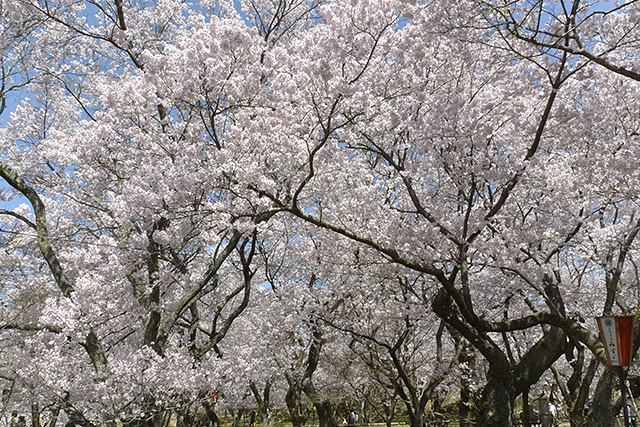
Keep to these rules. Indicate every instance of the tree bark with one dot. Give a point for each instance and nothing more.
(416, 419)
(389, 411)
(466, 404)
(602, 412)
(325, 411)
(578, 388)
(35, 414)
(526, 410)
(293, 399)
(237, 417)
(323, 406)
(209, 409)
(365, 409)
(92, 345)
(54, 417)
(262, 400)
(606, 403)
(497, 398)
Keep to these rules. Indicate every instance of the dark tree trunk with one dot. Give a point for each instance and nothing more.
(213, 419)
(602, 412)
(262, 400)
(209, 409)
(497, 399)
(578, 387)
(237, 417)
(416, 419)
(389, 411)
(326, 416)
(606, 404)
(324, 408)
(54, 417)
(526, 411)
(76, 419)
(506, 378)
(184, 419)
(293, 400)
(35, 414)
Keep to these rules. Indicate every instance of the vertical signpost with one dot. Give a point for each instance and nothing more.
(617, 336)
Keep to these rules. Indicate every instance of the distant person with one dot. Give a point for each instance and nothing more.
(553, 411)
(22, 422)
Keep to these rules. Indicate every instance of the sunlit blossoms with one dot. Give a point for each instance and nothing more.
(316, 206)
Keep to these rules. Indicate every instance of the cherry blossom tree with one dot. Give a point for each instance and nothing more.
(488, 148)
(400, 341)
(146, 269)
(472, 176)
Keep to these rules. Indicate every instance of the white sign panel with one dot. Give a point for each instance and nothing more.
(610, 339)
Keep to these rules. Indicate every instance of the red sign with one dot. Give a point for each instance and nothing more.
(617, 335)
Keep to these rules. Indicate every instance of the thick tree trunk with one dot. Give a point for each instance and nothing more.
(506, 379)
(237, 417)
(209, 409)
(602, 412)
(213, 418)
(185, 419)
(416, 419)
(326, 416)
(160, 419)
(294, 405)
(75, 418)
(606, 399)
(497, 399)
(580, 394)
